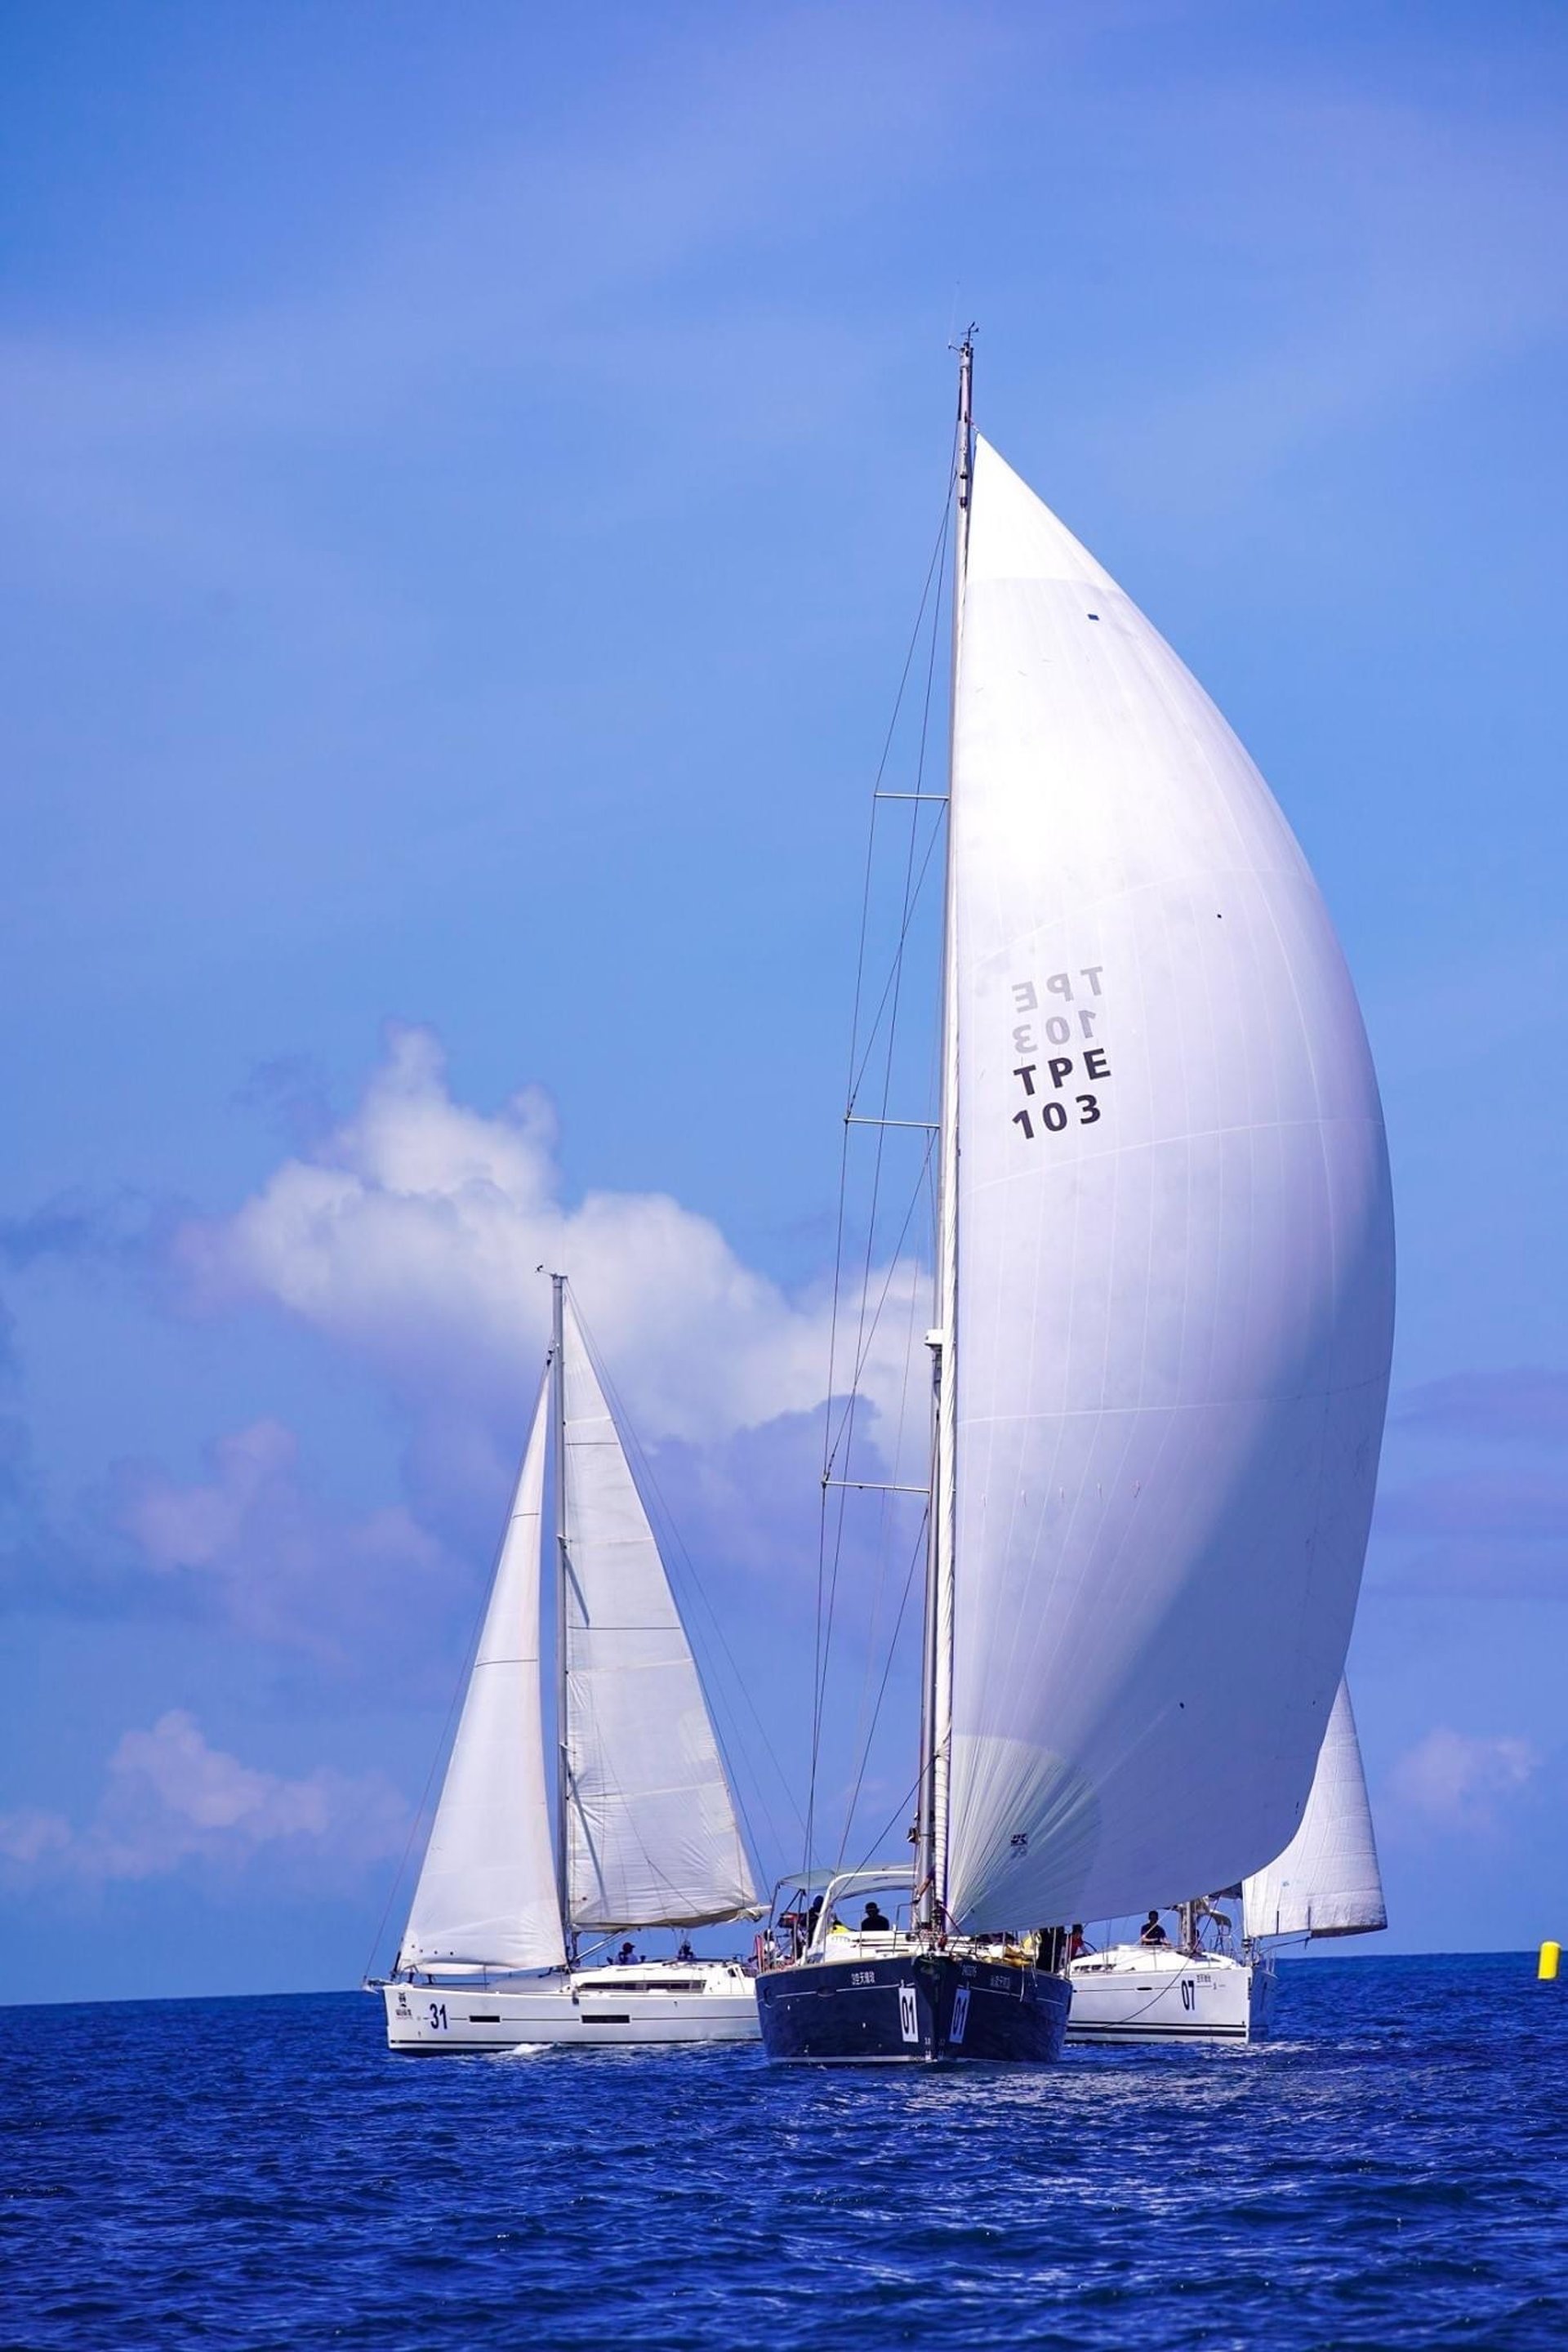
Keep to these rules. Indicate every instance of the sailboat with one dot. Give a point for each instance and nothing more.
(1207, 1986)
(645, 1829)
(1327, 1881)
(1163, 1317)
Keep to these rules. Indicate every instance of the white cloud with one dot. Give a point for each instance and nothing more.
(413, 1237)
(169, 1798)
(281, 1566)
(1450, 1781)
(29, 1836)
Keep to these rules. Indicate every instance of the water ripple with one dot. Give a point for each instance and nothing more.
(263, 2173)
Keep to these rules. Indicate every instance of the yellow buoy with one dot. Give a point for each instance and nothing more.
(1551, 1955)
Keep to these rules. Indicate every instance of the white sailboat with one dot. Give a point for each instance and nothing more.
(1211, 1985)
(1327, 1881)
(1163, 1313)
(1216, 1986)
(646, 1828)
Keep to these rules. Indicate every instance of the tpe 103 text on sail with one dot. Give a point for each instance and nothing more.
(1046, 1077)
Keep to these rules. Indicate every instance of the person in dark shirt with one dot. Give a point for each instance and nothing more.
(1152, 1933)
(874, 1923)
(813, 1913)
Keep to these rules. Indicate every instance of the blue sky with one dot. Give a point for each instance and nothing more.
(466, 483)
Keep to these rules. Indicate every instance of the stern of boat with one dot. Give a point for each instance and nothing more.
(912, 2006)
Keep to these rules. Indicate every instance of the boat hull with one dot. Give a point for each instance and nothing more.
(591, 2011)
(911, 2009)
(1129, 1996)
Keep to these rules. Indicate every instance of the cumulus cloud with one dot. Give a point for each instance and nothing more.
(170, 1799)
(1451, 1781)
(413, 1236)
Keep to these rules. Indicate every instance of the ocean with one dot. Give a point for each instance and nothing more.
(1392, 2170)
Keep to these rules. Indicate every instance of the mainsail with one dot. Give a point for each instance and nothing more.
(1174, 1261)
(1327, 1881)
(652, 1837)
(486, 1895)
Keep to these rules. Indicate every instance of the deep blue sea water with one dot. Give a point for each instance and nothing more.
(1392, 2170)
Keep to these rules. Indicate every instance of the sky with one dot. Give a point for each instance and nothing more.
(466, 484)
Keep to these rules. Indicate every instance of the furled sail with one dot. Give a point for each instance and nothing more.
(652, 1835)
(1174, 1286)
(1327, 1881)
(487, 1894)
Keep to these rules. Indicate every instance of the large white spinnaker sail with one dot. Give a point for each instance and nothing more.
(486, 1895)
(651, 1831)
(1174, 1277)
(1327, 1881)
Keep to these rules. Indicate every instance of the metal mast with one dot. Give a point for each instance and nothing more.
(562, 1763)
(936, 1688)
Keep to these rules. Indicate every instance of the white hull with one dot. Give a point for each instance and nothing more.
(1132, 1994)
(582, 2009)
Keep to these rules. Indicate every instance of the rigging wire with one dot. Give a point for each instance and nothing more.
(831, 1515)
(864, 1338)
(916, 1556)
(866, 1729)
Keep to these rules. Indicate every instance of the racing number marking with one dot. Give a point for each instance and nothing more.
(1044, 1075)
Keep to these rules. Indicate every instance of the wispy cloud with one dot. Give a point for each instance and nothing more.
(1450, 1781)
(251, 1544)
(171, 1801)
(116, 1229)
(1526, 1405)
(1529, 1506)
(1492, 1523)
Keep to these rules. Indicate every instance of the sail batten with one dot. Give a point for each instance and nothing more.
(486, 1896)
(1327, 1881)
(652, 1837)
(1175, 1260)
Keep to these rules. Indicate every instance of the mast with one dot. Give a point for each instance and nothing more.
(558, 1424)
(936, 1682)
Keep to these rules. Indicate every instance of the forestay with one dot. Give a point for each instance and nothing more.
(1327, 1881)
(652, 1836)
(487, 1894)
(1175, 1262)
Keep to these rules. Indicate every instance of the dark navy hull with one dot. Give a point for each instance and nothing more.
(915, 2007)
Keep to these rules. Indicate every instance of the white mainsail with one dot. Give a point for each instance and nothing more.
(486, 1893)
(1327, 1881)
(652, 1836)
(1174, 1279)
